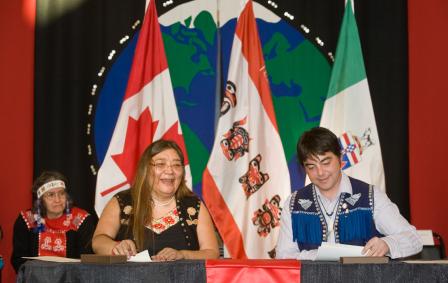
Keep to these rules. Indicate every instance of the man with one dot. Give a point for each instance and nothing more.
(336, 208)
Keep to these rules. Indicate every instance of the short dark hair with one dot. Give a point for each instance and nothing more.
(317, 141)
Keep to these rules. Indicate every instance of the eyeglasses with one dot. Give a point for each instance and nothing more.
(162, 166)
(53, 195)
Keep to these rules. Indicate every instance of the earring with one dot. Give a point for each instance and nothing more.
(67, 207)
(40, 223)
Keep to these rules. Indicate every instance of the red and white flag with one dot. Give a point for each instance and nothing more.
(148, 113)
(247, 179)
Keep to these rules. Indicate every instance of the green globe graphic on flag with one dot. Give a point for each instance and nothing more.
(198, 55)
(298, 91)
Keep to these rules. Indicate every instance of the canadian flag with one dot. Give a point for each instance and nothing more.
(247, 178)
(148, 113)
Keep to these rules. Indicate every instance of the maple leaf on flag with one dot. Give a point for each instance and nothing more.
(139, 135)
(148, 113)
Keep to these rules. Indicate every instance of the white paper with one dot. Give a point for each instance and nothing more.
(439, 261)
(426, 236)
(332, 252)
(141, 257)
(53, 258)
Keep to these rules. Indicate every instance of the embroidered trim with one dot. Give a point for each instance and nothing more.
(70, 221)
(292, 201)
(29, 218)
(353, 199)
(356, 209)
(304, 212)
(371, 204)
(192, 212)
(305, 203)
(49, 186)
(52, 243)
(163, 223)
(336, 218)
(321, 216)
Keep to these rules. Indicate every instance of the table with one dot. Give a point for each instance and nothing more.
(394, 271)
(46, 272)
(195, 271)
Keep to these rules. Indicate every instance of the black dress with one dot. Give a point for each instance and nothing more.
(176, 230)
(67, 236)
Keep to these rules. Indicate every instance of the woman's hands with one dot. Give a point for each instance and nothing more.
(168, 254)
(125, 247)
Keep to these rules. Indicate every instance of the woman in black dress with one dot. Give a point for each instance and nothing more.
(159, 213)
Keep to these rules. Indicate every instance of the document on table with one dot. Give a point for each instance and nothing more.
(332, 252)
(437, 261)
(141, 257)
(53, 258)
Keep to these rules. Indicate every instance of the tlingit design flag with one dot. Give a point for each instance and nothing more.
(246, 179)
(348, 110)
(148, 113)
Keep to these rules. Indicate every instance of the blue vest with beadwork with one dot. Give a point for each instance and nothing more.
(353, 223)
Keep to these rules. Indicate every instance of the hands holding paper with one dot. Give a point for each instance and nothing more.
(125, 247)
(375, 247)
(331, 251)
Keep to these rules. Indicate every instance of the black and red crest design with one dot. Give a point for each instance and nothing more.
(268, 216)
(272, 253)
(229, 100)
(254, 178)
(236, 141)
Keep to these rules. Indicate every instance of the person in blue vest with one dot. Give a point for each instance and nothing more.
(336, 208)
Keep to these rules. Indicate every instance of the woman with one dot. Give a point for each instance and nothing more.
(53, 227)
(159, 213)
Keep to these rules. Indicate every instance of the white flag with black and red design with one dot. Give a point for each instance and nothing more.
(148, 113)
(247, 178)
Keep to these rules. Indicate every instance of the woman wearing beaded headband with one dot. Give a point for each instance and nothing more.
(159, 213)
(53, 227)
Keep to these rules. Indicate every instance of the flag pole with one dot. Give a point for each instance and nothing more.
(219, 87)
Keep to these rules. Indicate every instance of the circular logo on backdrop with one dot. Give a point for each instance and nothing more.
(198, 45)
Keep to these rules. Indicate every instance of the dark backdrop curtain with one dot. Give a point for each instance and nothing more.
(71, 46)
(70, 49)
(384, 38)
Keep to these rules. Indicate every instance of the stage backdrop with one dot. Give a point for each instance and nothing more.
(83, 56)
(427, 88)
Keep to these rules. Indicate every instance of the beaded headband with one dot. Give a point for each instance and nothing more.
(48, 186)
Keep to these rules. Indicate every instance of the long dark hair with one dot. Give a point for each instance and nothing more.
(141, 190)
